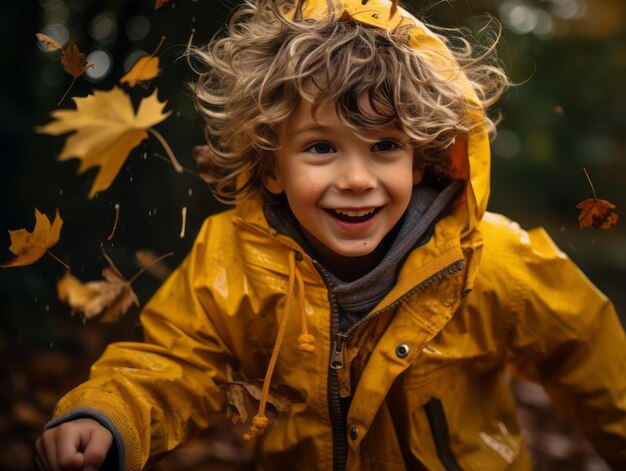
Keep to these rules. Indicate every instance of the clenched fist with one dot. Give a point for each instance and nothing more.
(78, 445)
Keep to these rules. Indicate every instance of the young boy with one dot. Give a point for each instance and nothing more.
(359, 268)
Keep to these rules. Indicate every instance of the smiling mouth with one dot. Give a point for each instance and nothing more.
(353, 215)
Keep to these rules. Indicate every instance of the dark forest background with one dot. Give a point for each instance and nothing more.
(567, 112)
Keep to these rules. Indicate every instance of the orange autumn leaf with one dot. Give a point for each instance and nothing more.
(159, 3)
(74, 61)
(106, 129)
(109, 298)
(28, 247)
(146, 68)
(597, 213)
(48, 43)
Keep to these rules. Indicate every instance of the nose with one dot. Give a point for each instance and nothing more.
(356, 174)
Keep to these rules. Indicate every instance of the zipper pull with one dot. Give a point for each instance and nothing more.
(339, 348)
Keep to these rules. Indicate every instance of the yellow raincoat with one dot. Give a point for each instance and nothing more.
(427, 368)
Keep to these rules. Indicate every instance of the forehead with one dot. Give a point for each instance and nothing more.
(329, 113)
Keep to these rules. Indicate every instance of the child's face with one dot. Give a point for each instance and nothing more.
(346, 190)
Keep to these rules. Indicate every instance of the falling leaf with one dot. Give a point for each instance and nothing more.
(559, 111)
(203, 160)
(146, 68)
(31, 246)
(74, 61)
(148, 260)
(48, 43)
(107, 130)
(597, 213)
(243, 398)
(110, 298)
(159, 3)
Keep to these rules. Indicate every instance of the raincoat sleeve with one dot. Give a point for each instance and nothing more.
(566, 335)
(152, 395)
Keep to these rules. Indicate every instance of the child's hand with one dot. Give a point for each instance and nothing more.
(78, 445)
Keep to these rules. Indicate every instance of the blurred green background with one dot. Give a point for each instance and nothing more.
(567, 112)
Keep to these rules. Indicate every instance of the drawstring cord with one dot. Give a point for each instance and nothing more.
(306, 343)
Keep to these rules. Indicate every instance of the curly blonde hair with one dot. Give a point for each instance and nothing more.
(253, 76)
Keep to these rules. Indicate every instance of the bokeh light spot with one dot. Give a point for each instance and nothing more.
(507, 144)
(137, 28)
(102, 64)
(103, 29)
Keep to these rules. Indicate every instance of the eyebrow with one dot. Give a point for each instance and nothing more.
(308, 128)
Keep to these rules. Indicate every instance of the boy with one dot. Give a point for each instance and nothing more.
(356, 146)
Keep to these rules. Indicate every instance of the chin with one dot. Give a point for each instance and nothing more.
(358, 250)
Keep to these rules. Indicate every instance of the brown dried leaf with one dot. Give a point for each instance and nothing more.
(109, 299)
(202, 157)
(74, 61)
(243, 399)
(48, 43)
(31, 246)
(121, 303)
(597, 213)
(159, 3)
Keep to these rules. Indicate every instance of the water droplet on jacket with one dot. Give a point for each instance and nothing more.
(47, 308)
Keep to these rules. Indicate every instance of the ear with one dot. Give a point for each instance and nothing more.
(418, 175)
(273, 184)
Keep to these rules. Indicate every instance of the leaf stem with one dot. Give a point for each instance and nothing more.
(59, 260)
(185, 169)
(66, 92)
(149, 265)
(595, 197)
(117, 216)
(159, 46)
(108, 259)
(184, 223)
(167, 148)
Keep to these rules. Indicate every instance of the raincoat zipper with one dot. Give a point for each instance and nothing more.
(337, 421)
(441, 436)
(341, 339)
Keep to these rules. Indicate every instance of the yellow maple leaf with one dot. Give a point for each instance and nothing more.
(146, 68)
(106, 129)
(31, 246)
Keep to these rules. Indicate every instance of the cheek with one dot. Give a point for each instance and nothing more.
(304, 187)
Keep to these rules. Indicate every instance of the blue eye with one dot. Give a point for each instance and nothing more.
(321, 148)
(384, 146)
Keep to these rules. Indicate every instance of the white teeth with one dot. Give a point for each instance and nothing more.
(359, 213)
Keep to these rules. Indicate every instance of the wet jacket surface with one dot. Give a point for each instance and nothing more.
(426, 369)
